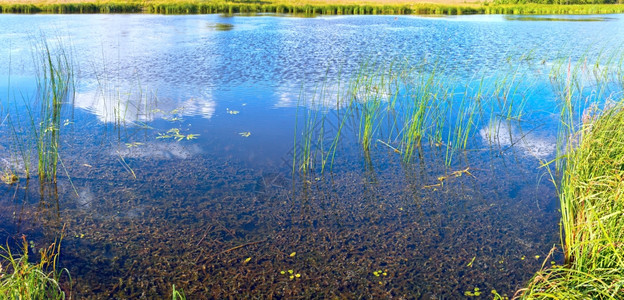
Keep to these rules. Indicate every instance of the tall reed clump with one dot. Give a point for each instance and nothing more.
(397, 106)
(423, 110)
(580, 87)
(20, 279)
(312, 120)
(358, 105)
(55, 87)
(373, 93)
(312, 146)
(592, 210)
(400, 107)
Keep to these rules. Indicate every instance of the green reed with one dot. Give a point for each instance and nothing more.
(400, 107)
(326, 112)
(38, 130)
(369, 91)
(424, 104)
(342, 115)
(441, 109)
(274, 7)
(467, 115)
(580, 87)
(177, 294)
(311, 108)
(507, 90)
(55, 87)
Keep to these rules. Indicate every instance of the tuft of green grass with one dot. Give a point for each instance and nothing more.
(177, 294)
(21, 279)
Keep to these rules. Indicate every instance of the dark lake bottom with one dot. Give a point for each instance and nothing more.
(218, 228)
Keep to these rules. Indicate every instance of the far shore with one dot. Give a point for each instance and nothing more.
(305, 7)
(295, 2)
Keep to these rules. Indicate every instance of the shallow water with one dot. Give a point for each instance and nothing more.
(179, 146)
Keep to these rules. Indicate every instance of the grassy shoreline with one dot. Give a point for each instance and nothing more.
(591, 215)
(298, 7)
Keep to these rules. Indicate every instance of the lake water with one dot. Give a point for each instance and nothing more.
(224, 154)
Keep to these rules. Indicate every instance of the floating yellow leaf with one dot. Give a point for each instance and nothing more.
(245, 134)
(293, 254)
(191, 136)
(174, 131)
(297, 275)
(247, 260)
(171, 133)
(133, 144)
